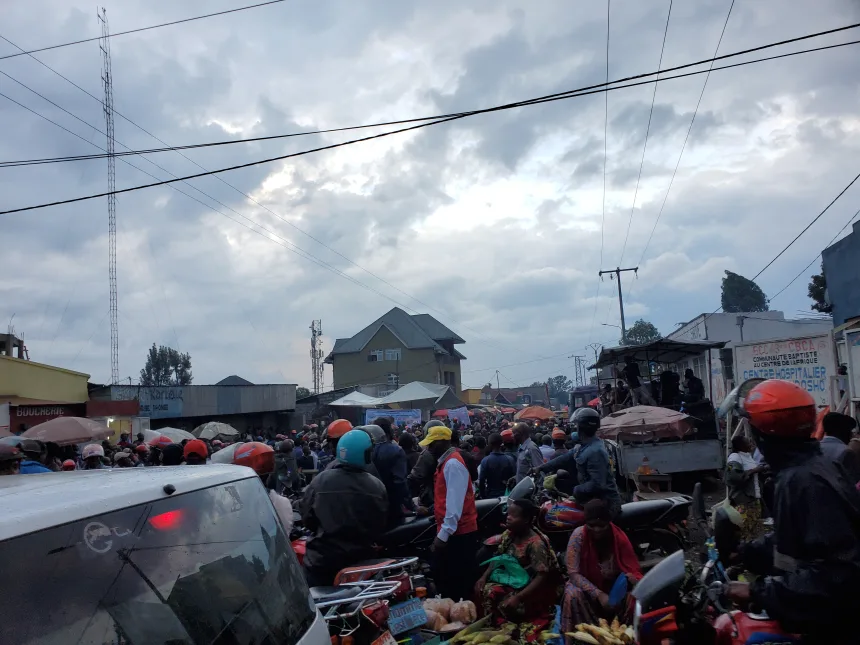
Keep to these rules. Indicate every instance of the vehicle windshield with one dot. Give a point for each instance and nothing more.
(213, 566)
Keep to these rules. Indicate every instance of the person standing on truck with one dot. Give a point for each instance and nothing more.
(641, 395)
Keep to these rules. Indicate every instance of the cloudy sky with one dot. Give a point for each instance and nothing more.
(493, 224)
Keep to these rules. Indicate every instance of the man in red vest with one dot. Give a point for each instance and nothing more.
(456, 544)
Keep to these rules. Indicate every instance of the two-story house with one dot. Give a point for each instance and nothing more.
(396, 349)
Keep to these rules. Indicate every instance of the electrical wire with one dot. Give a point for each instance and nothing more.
(241, 192)
(647, 132)
(139, 29)
(583, 91)
(815, 259)
(687, 137)
(570, 94)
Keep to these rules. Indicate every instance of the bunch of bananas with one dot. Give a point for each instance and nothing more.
(604, 633)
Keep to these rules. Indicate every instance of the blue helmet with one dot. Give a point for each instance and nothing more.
(355, 449)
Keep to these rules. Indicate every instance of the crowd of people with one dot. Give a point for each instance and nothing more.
(351, 484)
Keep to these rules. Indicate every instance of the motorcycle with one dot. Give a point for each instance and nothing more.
(372, 600)
(676, 606)
(655, 527)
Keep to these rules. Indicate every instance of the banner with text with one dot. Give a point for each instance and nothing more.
(807, 361)
(401, 417)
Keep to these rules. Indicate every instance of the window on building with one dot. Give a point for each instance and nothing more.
(450, 379)
(699, 367)
(394, 380)
(392, 354)
(375, 356)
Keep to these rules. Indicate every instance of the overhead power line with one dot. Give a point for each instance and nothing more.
(139, 29)
(583, 91)
(687, 137)
(815, 259)
(226, 183)
(560, 96)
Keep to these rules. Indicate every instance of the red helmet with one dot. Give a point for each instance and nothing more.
(780, 409)
(508, 436)
(337, 428)
(558, 433)
(69, 464)
(196, 447)
(255, 455)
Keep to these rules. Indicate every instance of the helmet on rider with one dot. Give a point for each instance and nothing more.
(257, 456)
(10, 459)
(69, 464)
(558, 435)
(780, 409)
(355, 448)
(508, 436)
(336, 429)
(195, 452)
(586, 421)
(376, 434)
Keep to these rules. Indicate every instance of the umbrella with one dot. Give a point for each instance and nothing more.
(161, 441)
(213, 429)
(534, 413)
(508, 410)
(645, 422)
(594, 402)
(177, 435)
(441, 414)
(65, 431)
(225, 455)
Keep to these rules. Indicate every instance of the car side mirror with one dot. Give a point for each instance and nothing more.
(699, 502)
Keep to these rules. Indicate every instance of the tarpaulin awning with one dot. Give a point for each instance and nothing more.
(644, 423)
(436, 396)
(355, 399)
(534, 413)
(658, 351)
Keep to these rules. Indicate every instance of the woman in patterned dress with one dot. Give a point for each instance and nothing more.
(533, 605)
(597, 553)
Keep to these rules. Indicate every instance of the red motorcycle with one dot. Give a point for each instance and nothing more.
(677, 606)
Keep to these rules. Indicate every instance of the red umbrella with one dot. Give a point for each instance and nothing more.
(594, 402)
(441, 414)
(161, 441)
(534, 413)
(508, 411)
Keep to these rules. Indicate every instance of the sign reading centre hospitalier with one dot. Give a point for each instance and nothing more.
(807, 361)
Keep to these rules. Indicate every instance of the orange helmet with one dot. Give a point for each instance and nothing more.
(255, 455)
(780, 409)
(558, 433)
(508, 436)
(337, 428)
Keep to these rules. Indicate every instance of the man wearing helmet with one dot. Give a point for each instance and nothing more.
(590, 461)
(810, 565)
(346, 507)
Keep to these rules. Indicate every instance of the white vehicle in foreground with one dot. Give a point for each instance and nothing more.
(170, 556)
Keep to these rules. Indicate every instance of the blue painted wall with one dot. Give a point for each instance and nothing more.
(842, 271)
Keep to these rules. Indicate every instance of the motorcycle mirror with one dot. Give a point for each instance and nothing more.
(699, 502)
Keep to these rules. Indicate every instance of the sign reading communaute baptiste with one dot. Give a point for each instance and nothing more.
(808, 361)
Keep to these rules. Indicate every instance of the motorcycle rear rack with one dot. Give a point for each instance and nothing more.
(370, 591)
(401, 563)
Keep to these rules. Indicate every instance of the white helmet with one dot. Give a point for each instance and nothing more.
(93, 450)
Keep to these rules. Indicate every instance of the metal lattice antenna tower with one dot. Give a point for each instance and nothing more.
(317, 355)
(107, 82)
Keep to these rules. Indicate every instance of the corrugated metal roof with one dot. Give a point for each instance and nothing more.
(434, 329)
(405, 327)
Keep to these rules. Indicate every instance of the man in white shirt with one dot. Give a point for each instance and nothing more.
(456, 544)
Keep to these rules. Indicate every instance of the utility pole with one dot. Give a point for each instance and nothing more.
(107, 82)
(580, 370)
(317, 355)
(618, 271)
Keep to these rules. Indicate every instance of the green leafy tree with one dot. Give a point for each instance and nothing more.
(166, 366)
(641, 332)
(741, 294)
(817, 290)
(302, 392)
(559, 386)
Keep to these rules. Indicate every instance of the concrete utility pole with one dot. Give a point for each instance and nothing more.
(618, 271)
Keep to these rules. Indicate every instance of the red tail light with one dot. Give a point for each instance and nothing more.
(167, 521)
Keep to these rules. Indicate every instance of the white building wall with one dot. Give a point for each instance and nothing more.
(759, 325)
